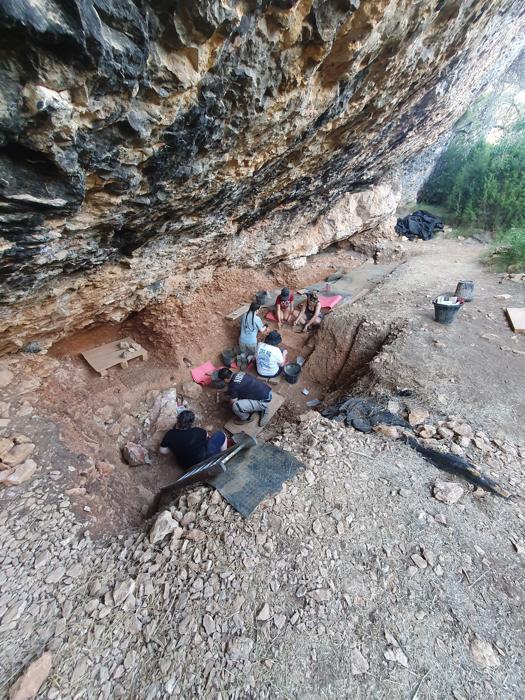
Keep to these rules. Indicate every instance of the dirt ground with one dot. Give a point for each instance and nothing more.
(353, 581)
(96, 415)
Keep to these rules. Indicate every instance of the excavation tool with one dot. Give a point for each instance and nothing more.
(204, 471)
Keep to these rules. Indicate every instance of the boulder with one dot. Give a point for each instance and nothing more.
(163, 413)
(191, 390)
(135, 455)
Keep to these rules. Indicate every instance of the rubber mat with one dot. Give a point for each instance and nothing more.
(254, 475)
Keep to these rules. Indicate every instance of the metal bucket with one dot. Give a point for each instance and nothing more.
(465, 290)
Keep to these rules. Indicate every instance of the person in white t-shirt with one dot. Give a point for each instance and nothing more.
(270, 359)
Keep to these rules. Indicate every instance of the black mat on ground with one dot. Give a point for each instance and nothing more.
(254, 475)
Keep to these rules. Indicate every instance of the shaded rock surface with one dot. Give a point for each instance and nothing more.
(136, 139)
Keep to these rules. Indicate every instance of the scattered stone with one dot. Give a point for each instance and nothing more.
(483, 653)
(164, 525)
(19, 439)
(264, 613)
(503, 297)
(135, 455)
(5, 445)
(462, 429)
(122, 590)
(6, 377)
(56, 575)
(209, 624)
(317, 527)
(309, 476)
(239, 649)
(76, 491)
(447, 491)
(18, 454)
(417, 416)
(321, 595)
(419, 561)
(427, 431)
(358, 663)
(195, 535)
(396, 655)
(279, 620)
(389, 431)
(30, 682)
(23, 472)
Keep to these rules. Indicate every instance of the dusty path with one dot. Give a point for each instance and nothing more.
(354, 581)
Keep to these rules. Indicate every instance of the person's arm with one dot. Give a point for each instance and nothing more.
(315, 317)
(279, 314)
(300, 313)
(283, 358)
(164, 449)
(260, 325)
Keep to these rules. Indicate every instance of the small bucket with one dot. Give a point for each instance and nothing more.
(292, 372)
(465, 290)
(446, 308)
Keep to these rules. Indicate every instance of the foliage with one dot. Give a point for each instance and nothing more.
(509, 252)
(482, 183)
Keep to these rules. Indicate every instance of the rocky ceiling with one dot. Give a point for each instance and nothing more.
(140, 139)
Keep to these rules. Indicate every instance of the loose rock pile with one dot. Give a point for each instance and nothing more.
(344, 578)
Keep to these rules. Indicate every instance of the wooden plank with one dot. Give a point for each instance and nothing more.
(252, 428)
(517, 319)
(105, 356)
(234, 315)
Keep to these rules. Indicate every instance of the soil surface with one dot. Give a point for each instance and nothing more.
(353, 581)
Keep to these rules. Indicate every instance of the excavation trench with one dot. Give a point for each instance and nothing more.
(96, 416)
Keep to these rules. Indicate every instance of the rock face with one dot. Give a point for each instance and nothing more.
(137, 138)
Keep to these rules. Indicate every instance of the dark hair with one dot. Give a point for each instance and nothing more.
(224, 373)
(273, 338)
(254, 306)
(185, 420)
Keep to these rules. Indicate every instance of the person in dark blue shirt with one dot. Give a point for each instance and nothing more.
(248, 396)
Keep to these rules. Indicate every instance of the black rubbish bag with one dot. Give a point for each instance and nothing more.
(420, 224)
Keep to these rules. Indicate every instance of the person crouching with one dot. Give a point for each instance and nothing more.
(248, 396)
(270, 359)
(191, 445)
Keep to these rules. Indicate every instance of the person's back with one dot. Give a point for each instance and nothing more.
(269, 360)
(251, 325)
(191, 445)
(188, 446)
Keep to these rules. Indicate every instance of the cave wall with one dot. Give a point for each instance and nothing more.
(140, 140)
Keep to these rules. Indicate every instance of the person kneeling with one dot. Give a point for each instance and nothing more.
(247, 395)
(270, 359)
(191, 445)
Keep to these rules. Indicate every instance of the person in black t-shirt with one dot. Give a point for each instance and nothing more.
(248, 396)
(191, 445)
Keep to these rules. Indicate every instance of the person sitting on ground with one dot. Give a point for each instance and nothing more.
(309, 311)
(191, 445)
(270, 359)
(251, 326)
(247, 396)
(284, 307)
